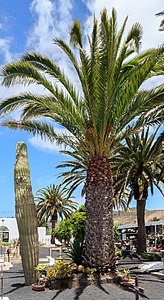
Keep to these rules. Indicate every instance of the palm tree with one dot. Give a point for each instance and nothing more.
(96, 117)
(54, 203)
(139, 167)
(161, 26)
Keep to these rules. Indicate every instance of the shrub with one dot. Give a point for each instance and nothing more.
(75, 251)
(152, 256)
(90, 271)
(60, 270)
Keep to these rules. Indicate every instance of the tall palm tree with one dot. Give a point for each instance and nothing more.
(139, 167)
(54, 203)
(96, 117)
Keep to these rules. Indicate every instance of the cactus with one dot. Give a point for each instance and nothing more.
(26, 214)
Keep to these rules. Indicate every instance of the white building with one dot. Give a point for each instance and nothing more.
(9, 231)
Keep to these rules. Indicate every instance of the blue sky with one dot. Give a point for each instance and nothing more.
(30, 25)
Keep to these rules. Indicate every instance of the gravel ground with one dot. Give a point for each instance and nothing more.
(14, 287)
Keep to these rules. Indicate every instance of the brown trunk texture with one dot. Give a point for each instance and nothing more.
(26, 214)
(99, 240)
(141, 240)
(53, 225)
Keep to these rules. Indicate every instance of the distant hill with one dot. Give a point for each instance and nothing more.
(130, 217)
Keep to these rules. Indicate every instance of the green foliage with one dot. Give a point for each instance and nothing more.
(75, 251)
(51, 274)
(155, 219)
(6, 243)
(54, 202)
(127, 273)
(78, 223)
(152, 256)
(40, 267)
(90, 271)
(60, 270)
(118, 253)
(74, 226)
(116, 233)
(63, 231)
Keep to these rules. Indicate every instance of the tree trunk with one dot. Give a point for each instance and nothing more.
(26, 215)
(99, 241)
(53, 225)
(141, 240)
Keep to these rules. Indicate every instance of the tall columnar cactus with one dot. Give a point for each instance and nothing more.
(26, 214)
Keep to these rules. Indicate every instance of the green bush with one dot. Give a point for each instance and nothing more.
(63, 231)
(60, 270)
(90, 271)
(72, 227)
(152, 256)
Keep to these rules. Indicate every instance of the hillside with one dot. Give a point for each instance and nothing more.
(130, 217)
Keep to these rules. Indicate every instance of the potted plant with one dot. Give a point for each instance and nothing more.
(41, 269)
(127, 280)
(40, 284)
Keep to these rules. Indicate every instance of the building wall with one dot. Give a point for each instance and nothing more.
(11, 224)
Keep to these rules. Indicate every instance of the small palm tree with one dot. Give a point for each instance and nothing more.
(54, 203)
(139, 166)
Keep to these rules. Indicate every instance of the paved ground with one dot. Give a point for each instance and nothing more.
(14, 287)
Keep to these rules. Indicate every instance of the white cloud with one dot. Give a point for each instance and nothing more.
(5, 52)
(45, 145)
(137, 11)
(140, 11)
(52, 19)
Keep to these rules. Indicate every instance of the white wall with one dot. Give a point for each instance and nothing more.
(11, 224)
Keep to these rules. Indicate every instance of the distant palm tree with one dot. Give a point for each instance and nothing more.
(54, 203)
(161, 26)
(139, 165)
(108, 106)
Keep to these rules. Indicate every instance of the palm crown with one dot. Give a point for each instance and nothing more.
(53, 202)
(139, 166)
(97, 116)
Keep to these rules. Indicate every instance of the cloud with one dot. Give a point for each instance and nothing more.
(137, 11)
(52, 19)
(5, 52)
(45, 145)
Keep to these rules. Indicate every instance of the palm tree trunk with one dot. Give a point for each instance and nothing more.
(141, 241)
(99, 241)
(53, 225)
